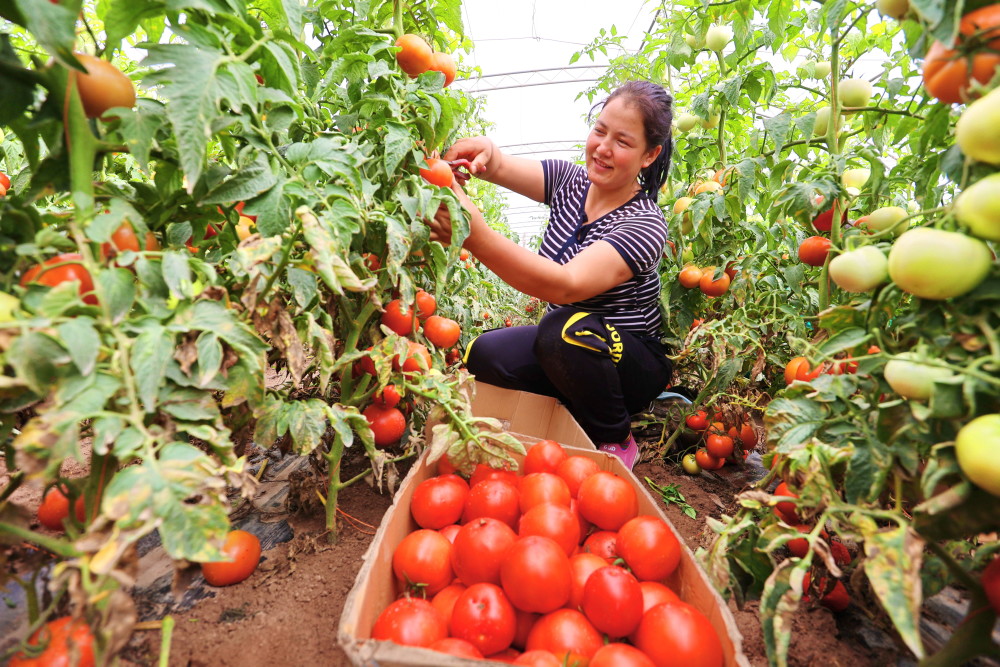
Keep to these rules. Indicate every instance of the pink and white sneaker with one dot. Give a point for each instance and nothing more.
(627, 451)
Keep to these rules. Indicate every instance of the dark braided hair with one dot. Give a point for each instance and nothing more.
(657, 109)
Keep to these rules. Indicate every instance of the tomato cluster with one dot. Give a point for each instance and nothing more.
(720, 441)
(550, 562)
(704, 278)
(415, 57)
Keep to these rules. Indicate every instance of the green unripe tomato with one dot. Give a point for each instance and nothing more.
(897, 9)
(887, 217)
(822, 125)
(860, 270)
(686, 122)
(8, 304)
(978, 130)
(977, 446)
(911, 379)
(718, 37)
(978, 207)
(822, 69)
(855, 93)
(690, 464)
(935, 264)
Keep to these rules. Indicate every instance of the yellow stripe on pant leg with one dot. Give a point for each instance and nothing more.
(576, 317)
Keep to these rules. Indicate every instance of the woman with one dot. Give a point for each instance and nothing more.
(597, 347)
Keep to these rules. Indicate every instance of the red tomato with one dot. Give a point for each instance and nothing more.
(581, 566)
(654, 593)
(402, 322)
(706, 461)
(484, 617)
(607, 500)
(785, 509)
(553, 521)
(439, 501)
(719, 446)
(525, 621)
(678, 634)
(568, 634)
(585, 526)
(244, 550)
(612, 601)
(814, 250)
(388, 424)
(410, 622)
(441, 331)
(480, 546)
(4, 181)
(494, 498)
(537, 658)
(649, 547)
(483, 472)
(544, 456)
(444, 600)
(990, 579)
(620, 655)
(426, 304)
(536, 575)
(455, 646)
(824, 221)
(422, 560)
(62, 269)
(55, 508)
(438, 172)
(450, 532)
(388, 397)
(543, 487)
(603, 543)
(62, 638)
(575, 469)
(698, 421)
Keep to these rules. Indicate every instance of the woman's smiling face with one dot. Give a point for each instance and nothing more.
(616, 147)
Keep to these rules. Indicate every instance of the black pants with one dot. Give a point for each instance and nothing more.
(602, 374)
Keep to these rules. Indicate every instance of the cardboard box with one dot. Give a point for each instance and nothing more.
(542, 417)
(374, 588)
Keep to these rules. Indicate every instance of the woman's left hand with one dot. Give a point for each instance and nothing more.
(440, 226)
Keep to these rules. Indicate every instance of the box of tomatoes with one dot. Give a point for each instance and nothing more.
(513, 562)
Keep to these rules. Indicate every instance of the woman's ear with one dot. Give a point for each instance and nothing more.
(651, 156)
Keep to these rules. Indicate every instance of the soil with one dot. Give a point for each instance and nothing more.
(288, 611)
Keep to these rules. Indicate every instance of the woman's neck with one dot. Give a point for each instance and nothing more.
(601, 202)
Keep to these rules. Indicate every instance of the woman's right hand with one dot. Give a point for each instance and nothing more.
(479, 151)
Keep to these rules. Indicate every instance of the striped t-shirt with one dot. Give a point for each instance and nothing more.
(637, 230)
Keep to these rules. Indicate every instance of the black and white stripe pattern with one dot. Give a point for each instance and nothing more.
(637, 230)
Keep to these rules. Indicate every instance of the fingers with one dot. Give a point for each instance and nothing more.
(476, 150)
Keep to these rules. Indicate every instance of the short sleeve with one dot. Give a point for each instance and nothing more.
(640, 240)
(557, 175)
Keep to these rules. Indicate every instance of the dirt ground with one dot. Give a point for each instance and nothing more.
(287, 612)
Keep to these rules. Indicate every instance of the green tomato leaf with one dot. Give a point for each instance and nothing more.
(151, 352)
(81, 340)
(892, 562)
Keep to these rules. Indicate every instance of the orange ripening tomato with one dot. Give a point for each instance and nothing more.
(244, 550)
(62, 638)
(55, 508)
(690, 276)
(947, 76)
(798, 368)
(438, 173)
(417, 358)
(441, 331)
(444, 63)
(415, 56)
(814, 250)
(102, 87)
(125, 239)
(4, 181)
(714, 288)
(60, 269)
